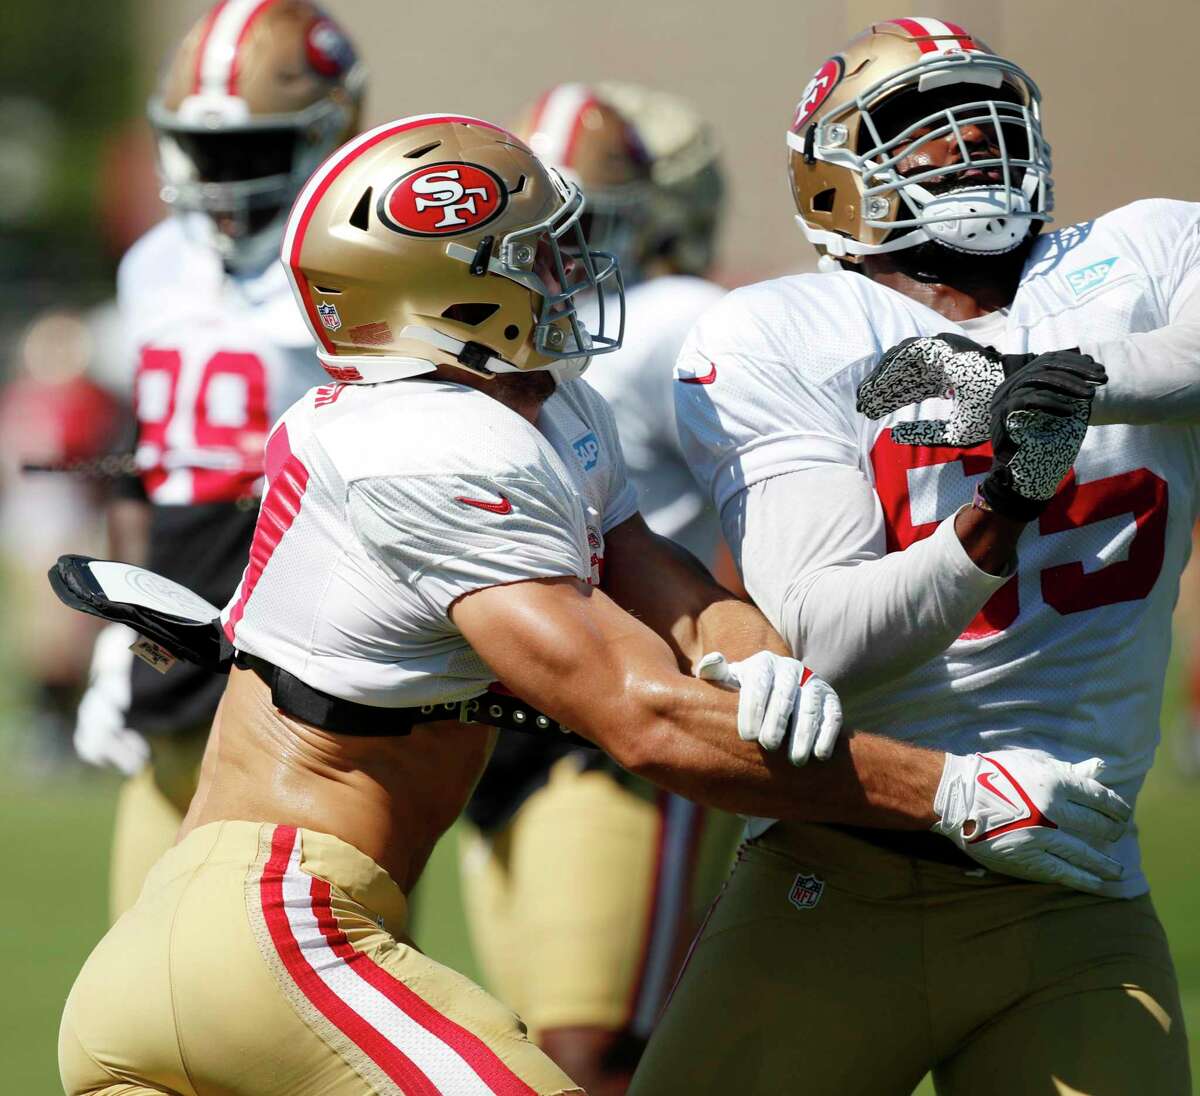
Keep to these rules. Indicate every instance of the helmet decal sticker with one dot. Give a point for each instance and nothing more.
(327, 49)
(445, 199)
(826, 78)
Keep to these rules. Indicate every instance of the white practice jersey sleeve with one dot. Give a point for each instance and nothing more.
(812, 550)
(519, 524)
(772, 435)
(1154, 376)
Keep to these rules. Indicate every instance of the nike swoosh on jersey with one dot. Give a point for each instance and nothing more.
(501, 507)
(708, 377)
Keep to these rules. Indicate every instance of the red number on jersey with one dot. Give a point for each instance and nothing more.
(229, 418)
(1066, 587)
(287, 480)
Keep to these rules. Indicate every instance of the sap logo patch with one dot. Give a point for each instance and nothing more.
(806, 891)
(1090, 277)
(587, 449)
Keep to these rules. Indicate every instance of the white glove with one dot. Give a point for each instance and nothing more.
(780, 700)
(1025, 813)
(101, 737)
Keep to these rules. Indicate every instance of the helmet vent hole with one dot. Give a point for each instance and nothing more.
(470, 314)
(327, 290)
(823, 202)
(417, 153)
(361, 217)
(519, 187)
(512, 330)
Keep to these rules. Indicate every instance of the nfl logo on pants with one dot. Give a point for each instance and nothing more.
(806, 891)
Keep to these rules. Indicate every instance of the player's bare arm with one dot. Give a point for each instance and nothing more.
(570, 650)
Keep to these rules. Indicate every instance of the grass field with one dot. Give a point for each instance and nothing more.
(55, 834)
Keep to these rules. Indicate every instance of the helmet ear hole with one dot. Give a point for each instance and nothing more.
(823, 202)
(511, 331)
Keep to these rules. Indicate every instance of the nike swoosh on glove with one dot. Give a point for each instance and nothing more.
(1025, 813)
(780, 700)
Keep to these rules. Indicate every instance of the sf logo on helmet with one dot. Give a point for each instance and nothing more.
(823, 82)
(443, 200)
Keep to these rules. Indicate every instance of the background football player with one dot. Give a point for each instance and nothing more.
(429, 527)
(919, 170)
(642, 862)
(256, 95)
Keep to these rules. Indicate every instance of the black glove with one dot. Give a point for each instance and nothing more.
(1039, 417)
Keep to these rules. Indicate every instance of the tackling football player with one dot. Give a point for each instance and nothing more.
(428, 528)
(554, 828)
(253, 99)
(853, 491)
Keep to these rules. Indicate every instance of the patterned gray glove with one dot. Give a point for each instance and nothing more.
(1034, 408)
(937, 366)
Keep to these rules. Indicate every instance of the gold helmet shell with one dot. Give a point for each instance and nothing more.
(851, 200)
(442, 240)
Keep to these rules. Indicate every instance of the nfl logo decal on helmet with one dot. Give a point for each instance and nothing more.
(329, 315)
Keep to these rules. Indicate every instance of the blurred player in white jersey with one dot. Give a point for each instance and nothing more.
(645, 863)
(429, 531)
(845, 482)
(256, 95)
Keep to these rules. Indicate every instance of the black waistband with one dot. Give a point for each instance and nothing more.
(919, 844)
(331, 713)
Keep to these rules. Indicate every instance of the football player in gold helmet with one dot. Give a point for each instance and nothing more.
(255, 96)
(877, 438)
(430, 529)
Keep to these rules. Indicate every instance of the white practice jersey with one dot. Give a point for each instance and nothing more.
(386, 503)
(637, 382)
(218, 360)
(1069, 654)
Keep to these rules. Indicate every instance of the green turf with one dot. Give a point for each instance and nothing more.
(55, 834)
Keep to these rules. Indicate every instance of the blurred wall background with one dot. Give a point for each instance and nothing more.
(1118, 80)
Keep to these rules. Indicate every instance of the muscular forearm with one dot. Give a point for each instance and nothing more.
(869, 781)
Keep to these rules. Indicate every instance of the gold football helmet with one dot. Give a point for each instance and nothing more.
(256, 96)
(592, 144)
(898, 87)
(442, 240)
(647, 165)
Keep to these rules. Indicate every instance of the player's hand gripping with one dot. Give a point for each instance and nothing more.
(101, 737)
(1034, 408)
(1025, 813)
(780, 700)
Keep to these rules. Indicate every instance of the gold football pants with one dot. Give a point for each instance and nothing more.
(581, 908)
(269, 961)
(832, 967)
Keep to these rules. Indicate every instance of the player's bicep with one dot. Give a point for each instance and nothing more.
(564, 647)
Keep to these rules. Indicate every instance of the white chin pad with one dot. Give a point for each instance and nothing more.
(978, 220)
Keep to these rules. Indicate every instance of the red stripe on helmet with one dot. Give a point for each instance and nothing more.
(916, 32)
(197, 74)
(235, 64)
(331, 175)
(576, 130)
(964, 37)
